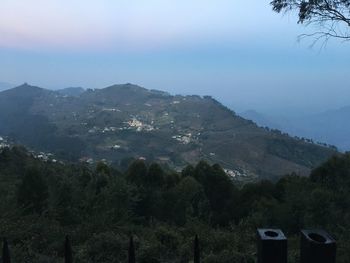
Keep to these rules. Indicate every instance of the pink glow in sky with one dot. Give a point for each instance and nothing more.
(135, 24)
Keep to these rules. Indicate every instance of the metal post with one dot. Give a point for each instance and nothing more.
(131, 251)
(5, 252)
(68, 255)
(196, 254)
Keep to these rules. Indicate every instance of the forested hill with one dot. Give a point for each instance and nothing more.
(100, 207)
(122, 122)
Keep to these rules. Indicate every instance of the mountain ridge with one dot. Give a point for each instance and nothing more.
(123, 121)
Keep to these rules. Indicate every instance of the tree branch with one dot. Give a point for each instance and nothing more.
(331, 16)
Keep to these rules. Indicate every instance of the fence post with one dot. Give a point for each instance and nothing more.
(196, 254)
(5, 252)
(317, 246)
(272, 246)
(131, 251)
(68, 257)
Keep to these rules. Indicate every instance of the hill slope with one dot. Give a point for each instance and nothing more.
(124, 121)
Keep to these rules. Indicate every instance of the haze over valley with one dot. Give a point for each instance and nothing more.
(330, 127)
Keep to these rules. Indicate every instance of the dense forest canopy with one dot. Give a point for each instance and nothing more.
(100, 207)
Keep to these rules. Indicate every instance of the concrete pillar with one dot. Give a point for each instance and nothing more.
(272, 246)
(317, 246)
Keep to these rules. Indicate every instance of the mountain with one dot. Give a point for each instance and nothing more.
(127, 121)
(330, 127)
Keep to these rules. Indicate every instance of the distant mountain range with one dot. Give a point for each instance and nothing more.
(127, 121)
(331, 127)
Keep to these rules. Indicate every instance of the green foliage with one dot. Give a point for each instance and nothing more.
(101, 208)
(137, 173)
(32, 193)
(220, 191)
(106, 247)
(155, 176)
(334, 174)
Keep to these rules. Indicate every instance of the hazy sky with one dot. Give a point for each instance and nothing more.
(239, 51)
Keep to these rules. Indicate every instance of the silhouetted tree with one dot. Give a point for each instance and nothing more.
(188, 171)
(171, 179)
(32, 192)
(155, 176)
(220, 190)
(189, 200)
(61, 200)
(137, 172)
(103, 168)
(332, 16)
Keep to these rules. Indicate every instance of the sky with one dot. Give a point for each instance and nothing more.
(238, 51)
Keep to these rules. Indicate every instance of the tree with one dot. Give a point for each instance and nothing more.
(32, 192)
(155, 176)
(61, 197)
(332, 16)
(188, 200)
(220, 191)
(103, 168)
(320, 208)
(137, 173)
(188, 171)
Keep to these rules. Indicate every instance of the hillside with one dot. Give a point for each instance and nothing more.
(127, 121)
